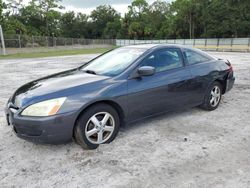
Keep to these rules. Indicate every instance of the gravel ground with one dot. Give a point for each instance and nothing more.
(189, 148)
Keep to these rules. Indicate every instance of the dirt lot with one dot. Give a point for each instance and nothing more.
(189, 148)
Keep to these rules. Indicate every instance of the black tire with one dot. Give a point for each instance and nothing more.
(80, 127)
(208, 96)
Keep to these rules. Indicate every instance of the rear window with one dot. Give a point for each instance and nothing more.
(194, 57)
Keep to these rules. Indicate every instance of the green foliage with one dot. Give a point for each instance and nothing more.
(49, 16)
(102, 17)
(2, 7)
(138, 8)
(136, 29)
(178, 19)
(73, 26)
(32, 19)
(112, 29)
(157, 14)
(13, 25)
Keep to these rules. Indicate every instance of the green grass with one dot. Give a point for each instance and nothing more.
(55, 53)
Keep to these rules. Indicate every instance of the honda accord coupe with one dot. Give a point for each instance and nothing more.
(89, 103)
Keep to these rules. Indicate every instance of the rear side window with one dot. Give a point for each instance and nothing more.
(164, 60)
(194, 57)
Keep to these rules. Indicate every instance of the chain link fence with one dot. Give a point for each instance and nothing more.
(24, 41)
(218, 44)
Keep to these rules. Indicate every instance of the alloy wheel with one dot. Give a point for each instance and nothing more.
(215, 96)
(100, 127)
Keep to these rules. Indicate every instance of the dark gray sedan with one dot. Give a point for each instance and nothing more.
(90, 103)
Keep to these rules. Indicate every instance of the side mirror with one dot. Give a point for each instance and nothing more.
(146, 71)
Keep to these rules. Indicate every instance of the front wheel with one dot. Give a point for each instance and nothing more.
(213, 97)
(97, 125)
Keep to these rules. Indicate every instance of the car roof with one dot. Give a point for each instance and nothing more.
(156, 46)
(149, 46)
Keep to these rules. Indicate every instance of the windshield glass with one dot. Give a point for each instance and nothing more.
(113, 62)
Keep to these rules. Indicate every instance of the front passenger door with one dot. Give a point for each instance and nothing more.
(166, 90)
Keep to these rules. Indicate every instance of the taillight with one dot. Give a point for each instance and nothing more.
(230, 66)
(230, 69)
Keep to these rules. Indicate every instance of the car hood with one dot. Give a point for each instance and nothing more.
(57, 85)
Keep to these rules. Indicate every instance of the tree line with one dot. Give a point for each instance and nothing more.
(159, 20)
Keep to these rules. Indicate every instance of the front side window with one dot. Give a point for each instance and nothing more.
(194, 57)
(113, 62)
(164, 60)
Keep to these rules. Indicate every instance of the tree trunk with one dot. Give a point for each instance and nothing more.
(190, 25)
(193, 29)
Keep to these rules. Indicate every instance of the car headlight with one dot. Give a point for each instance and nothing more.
(45, 108)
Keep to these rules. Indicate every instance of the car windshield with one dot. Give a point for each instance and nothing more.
(113, 62)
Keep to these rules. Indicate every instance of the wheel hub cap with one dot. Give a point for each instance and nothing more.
(215, 96)
(99, 127)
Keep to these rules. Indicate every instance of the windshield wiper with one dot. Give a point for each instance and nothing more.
(90, 72)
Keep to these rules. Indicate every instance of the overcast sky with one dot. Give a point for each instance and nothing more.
(86, 6)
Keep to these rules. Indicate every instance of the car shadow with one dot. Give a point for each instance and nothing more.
(148, 121)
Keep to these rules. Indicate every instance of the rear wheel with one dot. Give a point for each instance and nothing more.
(98, 125)
(213, 97)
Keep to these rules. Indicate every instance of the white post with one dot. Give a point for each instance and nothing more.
(2, 39)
